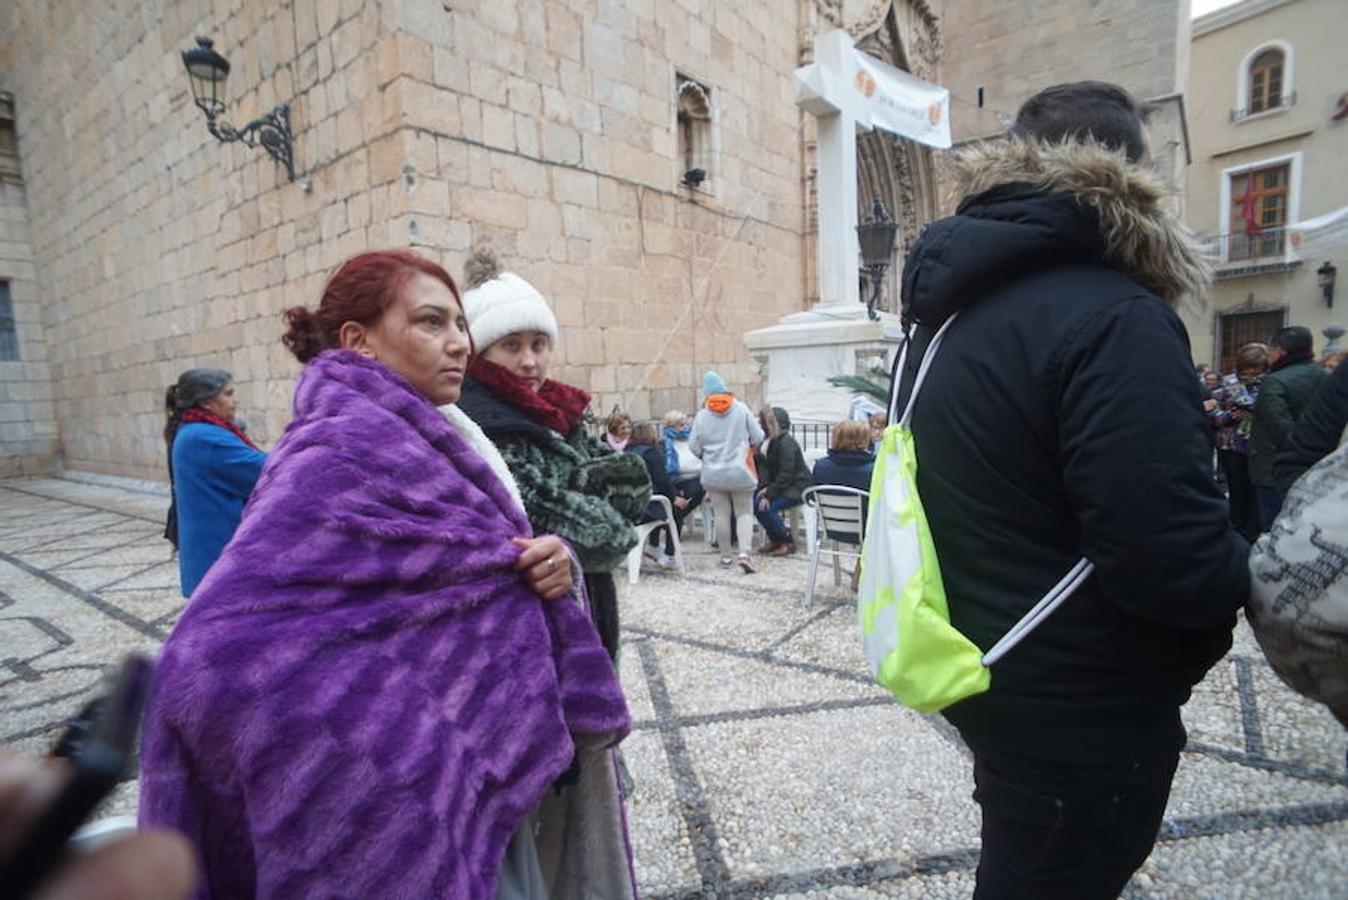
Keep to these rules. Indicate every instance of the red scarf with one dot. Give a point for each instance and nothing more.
(554, 405)
(205, 416)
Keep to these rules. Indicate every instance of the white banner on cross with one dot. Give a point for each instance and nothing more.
(901, 103)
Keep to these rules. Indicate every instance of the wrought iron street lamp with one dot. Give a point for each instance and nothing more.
(207, 71)
(877, 250)
(1325, 276)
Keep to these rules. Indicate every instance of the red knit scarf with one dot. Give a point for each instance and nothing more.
(554, 405)
(205, 416)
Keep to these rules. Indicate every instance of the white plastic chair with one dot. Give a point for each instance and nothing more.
(839, 510)
(644, 532)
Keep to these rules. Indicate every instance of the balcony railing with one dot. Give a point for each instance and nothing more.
(1238, 254)
(1240, 115)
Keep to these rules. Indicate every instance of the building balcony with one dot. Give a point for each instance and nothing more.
(1241, 255)
(1245, 113)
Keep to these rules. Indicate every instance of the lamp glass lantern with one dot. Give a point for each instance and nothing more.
(207, 71)
(877, 238)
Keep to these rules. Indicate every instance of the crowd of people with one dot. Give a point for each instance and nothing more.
(434, 476)
(396, 672)
(1254, 411)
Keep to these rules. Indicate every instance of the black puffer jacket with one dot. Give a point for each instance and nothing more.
(1061, 418)
(1319, 430)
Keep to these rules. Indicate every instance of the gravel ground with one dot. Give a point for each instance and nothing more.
(766, 763)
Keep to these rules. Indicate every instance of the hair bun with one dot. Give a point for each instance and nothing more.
(303, 334)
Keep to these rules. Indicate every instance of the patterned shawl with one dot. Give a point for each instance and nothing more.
(363, 698)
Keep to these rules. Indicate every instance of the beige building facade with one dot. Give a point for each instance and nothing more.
(562, 133)
(1270, 127)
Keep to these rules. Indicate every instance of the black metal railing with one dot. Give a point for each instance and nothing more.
(1266, 244)
(812, 436)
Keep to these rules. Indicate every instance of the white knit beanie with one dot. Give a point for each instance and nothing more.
(501, 303)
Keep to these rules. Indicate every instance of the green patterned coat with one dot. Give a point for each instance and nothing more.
(573, 486)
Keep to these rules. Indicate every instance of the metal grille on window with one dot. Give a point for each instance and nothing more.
(1241, 328)
(9, 335)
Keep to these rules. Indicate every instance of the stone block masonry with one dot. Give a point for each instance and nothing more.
(29, 437)
(544, 129)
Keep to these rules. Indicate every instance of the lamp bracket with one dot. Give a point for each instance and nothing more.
(877, 274)
(271, 131)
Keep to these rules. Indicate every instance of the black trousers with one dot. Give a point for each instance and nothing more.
(1244, 504)
(1070, 831)
(604, 609)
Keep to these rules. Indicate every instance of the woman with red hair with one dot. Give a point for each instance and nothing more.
(382, 688)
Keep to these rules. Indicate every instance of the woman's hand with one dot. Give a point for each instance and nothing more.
(546, 565)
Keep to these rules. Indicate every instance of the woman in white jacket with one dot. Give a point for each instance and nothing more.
(725, 432)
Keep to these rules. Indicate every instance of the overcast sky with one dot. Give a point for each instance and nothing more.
(1206, 6)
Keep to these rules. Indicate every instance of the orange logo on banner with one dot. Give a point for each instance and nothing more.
(934, 113)
(865, 83)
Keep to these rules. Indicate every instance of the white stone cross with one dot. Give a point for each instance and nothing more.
(824, 90)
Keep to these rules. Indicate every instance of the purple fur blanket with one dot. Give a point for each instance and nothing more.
(363, 699)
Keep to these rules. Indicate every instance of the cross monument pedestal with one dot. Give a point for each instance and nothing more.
(800, 353)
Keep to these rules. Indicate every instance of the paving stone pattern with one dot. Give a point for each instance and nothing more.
(765, 762)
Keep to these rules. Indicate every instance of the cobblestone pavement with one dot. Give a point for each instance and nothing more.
(766, 764)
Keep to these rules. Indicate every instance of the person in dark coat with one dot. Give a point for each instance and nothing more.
(782, 479)
(212, 469)
(1319, 432)
(1232, 417)
(1062, 419)
(849, 462)
(645, 442)
(1284, 394)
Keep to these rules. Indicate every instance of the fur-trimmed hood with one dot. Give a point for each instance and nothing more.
(1030, 205)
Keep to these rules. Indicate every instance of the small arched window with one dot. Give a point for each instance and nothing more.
(694, 139)
(1266, 81)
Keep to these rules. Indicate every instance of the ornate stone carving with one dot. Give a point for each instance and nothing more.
(870, 17)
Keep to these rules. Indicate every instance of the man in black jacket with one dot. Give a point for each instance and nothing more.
(1062, 419)
(1284, 393)
(1318, 432)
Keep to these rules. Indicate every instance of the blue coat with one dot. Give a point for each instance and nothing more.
(850, 468)
(846, 467)
(213, 474)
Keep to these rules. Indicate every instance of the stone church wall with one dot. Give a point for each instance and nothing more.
(545, 129)
(29, 441)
